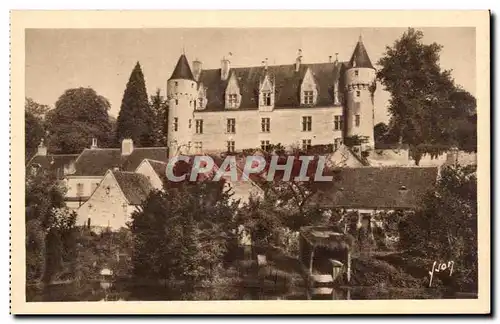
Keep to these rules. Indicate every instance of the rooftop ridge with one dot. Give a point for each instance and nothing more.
(277, 65)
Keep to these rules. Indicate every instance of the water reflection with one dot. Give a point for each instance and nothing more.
(113, 291)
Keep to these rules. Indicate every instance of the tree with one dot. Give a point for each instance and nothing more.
(34, 133)
(36, 109)
(445, 228)
(159, 110)
(80, 114)
(135, 119)
(49, 227)
(288, 203)
(425, 103)
(182, 232)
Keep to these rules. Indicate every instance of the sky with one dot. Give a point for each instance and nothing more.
(60, 59)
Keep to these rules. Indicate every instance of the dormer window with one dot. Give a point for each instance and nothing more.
(308, 97)
(308, 89)
(356, 73)
(266, 98)
(232, 100)
(232, 97)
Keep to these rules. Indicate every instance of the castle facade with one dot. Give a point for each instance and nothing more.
(296, 105)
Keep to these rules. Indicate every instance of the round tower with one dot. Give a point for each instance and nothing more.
(181, 96)
(359, 91)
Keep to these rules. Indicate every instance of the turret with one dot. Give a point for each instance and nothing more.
(360, 87)
(181, 94)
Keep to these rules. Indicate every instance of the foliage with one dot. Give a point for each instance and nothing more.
(288, 203)
(354, 140)
(49, 228)
(182, 232)
(446, 226)
(80, 114)
(426, 106)
(34, 108)
(34, 133)
(159, 110)
(135, 119)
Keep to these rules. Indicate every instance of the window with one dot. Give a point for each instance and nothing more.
(306, 123)
(198, 146)
(199, 126)
(176, 124)
(200, 102)
(265, 125)
(308, 97)
(358, 93)
(176, 102)
(189, 123)
(231, 125)
(176, 83)
(357, 120)
(337, 122)
(356, 73)
(194, 104)
(266, 98)
(232, 100)
(79, 189)
(264, 145)
(230, 146)
(306, 144)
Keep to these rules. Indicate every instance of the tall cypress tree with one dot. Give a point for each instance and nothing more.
(135, 120)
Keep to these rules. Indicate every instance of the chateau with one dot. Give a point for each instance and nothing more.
(296, 105)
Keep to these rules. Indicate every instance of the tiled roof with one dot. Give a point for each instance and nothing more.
(140, 153)
(287, 85)
(136, 187)
(182, 70)
(53, 161)
(95, 162)
(378, 188)
(360, 57)
(159, 167)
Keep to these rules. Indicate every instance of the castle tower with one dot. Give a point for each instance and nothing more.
(181, 95)
(360, 87)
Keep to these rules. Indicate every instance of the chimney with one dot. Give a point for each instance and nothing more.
(265, 64)
(197, 66)
(298, 61)
(127, 146)
(94, 143)
(42, 149)
(225, 67)
(336, 58)
(330, 59)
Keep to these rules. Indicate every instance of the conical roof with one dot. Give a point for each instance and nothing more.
(182, 70)
(360, 57)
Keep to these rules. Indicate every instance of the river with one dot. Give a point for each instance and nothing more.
(96, 291)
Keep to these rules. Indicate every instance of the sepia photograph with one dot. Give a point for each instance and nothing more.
(196, 164)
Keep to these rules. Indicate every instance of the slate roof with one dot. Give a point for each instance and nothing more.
(287, 85)
(136, 187)
(360, 57)
(182, 70)
(378, 187)
(95, 162)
